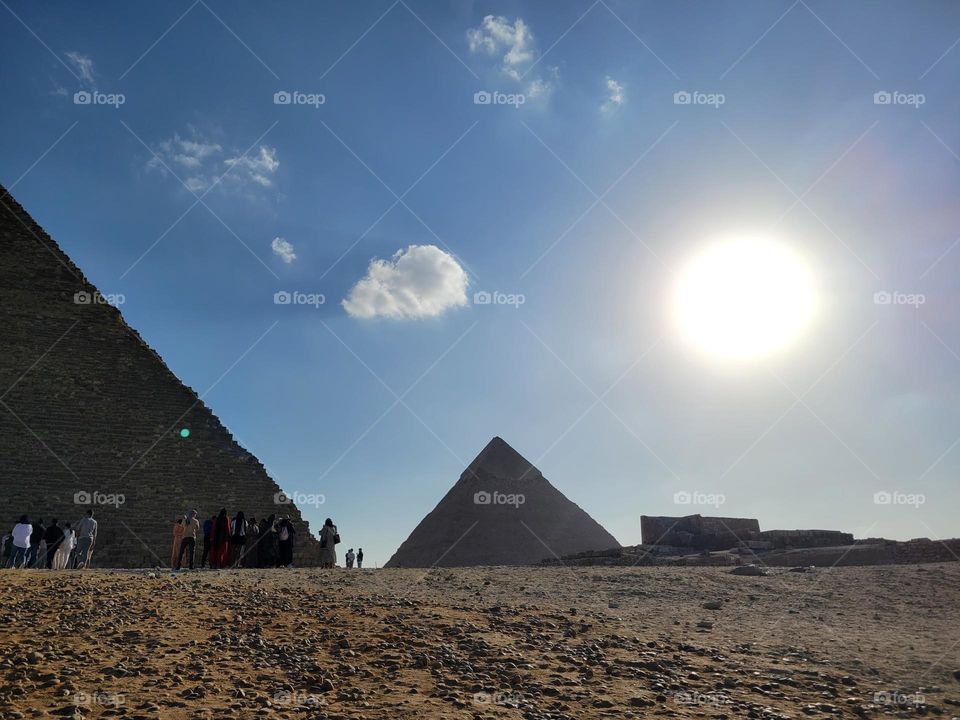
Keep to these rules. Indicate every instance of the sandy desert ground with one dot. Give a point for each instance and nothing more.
(532, 643)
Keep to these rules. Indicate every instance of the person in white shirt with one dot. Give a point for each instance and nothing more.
(66, 547)
(21, 542)
(350, 557)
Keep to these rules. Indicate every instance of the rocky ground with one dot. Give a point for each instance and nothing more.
(531, 643)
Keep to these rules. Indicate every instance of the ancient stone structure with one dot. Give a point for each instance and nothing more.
(502, 511)
(721, 533)
(697, 531)
(90, 415)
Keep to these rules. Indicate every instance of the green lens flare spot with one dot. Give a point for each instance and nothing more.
(185, 432)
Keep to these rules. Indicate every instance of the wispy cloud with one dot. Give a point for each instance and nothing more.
(615, 95)
(417, 282)
(83, 64)
(515, 46)
(283, 249)
(200, 162)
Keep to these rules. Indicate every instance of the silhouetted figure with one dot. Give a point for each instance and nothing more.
(53, 536)
(207, 531)
(359, 557)
(36, 537)
(285, 535)
(220, 540)
(329, 537)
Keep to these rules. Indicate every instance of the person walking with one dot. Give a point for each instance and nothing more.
(359, 558)
(188, 541)
(238, 538)
(329, 537)
(54, 536)
(285, 533)
(86, 538)
(177, 535)
(350, 557)
(207, 531)
(36, 537)
(21, 542)
(220, 541)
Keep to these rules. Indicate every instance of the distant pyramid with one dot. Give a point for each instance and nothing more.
(502, 511)
(92, 418)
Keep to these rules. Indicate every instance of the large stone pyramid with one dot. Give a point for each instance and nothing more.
(89, 412)
(502, 511)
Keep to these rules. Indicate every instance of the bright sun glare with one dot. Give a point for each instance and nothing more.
(744, 298)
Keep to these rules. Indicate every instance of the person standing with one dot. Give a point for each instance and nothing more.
(62, 556)
(359, 558)
(53, 536)
(86, 538)
(350, 557)
(252, 549)
(188, 541)
(285, 533)
(21, 542)
(329, 537)
(207, 531)
(36, 537)
(238, 538)
(177, 535)
(269, 543)
(220, 541)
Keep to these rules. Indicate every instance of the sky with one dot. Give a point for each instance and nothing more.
(317, 199)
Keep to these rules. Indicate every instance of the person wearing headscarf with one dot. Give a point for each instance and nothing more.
(188, 540)
(65, 548)
(253, 542)
(177, 535)
(269, 543)
(238, 538)
(220, 541)
(285, 534)
(328, 541)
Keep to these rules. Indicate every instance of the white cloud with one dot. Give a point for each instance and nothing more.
(516, 47)
(496, 35)
(616, 96)
(83, 64)
(420, 281)
(283, 250)
(199, 162)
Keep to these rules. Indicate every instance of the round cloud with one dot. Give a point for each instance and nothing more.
(420, 281)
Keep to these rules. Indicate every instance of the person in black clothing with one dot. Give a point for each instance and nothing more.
(285, 533)
(53, 536)
(207, 529)
(33, 559)
(359, 558)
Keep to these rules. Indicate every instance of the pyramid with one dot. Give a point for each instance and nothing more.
(502, 511)
(89, 413)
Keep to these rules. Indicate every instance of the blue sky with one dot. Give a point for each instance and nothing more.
(585, 199)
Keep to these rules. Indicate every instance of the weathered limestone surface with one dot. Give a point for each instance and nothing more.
(86, 405)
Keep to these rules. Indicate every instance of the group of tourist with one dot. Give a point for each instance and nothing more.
(55, 547)
(238, 542)
(227, 543)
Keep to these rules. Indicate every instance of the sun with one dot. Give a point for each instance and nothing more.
(744, 298)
